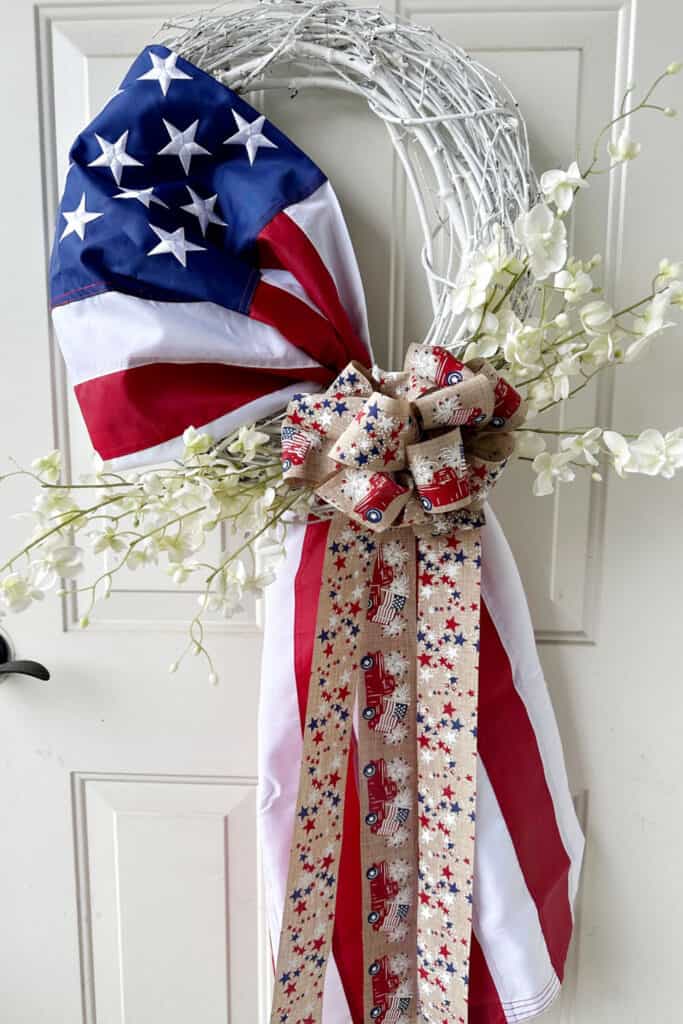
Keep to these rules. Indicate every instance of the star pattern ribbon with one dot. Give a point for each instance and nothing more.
(406, 459)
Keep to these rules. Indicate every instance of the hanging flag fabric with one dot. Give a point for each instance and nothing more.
(201, 271)
(202, 274)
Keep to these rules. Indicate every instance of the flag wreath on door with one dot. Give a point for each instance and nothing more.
(420, 846)
(376, 907)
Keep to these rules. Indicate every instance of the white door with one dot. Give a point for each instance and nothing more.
(128, 857)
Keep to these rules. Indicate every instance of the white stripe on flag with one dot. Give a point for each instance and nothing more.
(280, 747)
(288, 283)
(505, 918)
(111, 331)
(503, 593)
(320, 218)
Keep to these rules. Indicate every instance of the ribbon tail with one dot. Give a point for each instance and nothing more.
(388, 782)
(449, 584)
(308, 918)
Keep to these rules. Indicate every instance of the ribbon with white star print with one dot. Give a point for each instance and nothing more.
(406, 460)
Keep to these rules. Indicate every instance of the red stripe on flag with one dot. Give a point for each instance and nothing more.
(484, 1005)
(348, 925)
(304, 327)
(143, 406)
(282, 243)
(508, 748)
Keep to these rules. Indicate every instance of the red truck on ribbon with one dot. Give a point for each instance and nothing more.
(386, 913)
(382, 490)
(445, 488)
(449, 370)
(383, 603)
(507, 401)
(388, 1008)
(384, 817)
(381, 712)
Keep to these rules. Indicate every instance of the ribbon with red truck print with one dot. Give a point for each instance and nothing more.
(406, 460)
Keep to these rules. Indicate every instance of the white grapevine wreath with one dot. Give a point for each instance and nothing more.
(501, 281)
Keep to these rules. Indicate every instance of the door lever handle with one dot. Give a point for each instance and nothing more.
(21, 666)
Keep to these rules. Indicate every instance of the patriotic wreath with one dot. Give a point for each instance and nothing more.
(505, 294)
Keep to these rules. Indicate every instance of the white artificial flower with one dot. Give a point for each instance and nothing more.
(153, 484)
(600, 351)
(181, 573)
(471, 289)
(248, 441)
(624, 148)
(543, 237)
(648, 325)
(48, 467)
(182, 544)
(549, 469)
(657, 455)
(561, 373)
(226, 598)
(52, 504)
(675, 291)
(522, 350)
(65, 559)
(18, 592)
(620, 451)
(540, 393)
(597, 317)
(574, 282)
(143, 554)
(670, 270)
(195, 443)
(586, 445)
(559, 186)
(528, 443)
(107, 539)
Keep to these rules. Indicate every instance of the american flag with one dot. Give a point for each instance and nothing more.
(202, 271)
(394, 817)
(397, 1006)
(391, 604)
(391, 711)
(396, 914)
(295, 442)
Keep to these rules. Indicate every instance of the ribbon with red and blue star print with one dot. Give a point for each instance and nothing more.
(406, 460)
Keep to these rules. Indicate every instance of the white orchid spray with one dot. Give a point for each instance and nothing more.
(571, 333)
(161, 516)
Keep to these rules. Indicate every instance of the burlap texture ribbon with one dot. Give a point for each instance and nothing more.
(407, 460)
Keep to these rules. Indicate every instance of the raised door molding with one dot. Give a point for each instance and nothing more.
(170, 917)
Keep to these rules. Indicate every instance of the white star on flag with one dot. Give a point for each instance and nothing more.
(203, 210)
(182, 144)
(163, 71)
(77, 219)
(114, 156)
(175, 243)
(143, 195)
(249, 135)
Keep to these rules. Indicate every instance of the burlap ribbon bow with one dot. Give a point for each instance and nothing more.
(407, 459)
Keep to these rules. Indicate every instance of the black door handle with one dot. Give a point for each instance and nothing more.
(20, 667)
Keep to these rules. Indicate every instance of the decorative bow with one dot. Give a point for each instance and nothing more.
(407, 459)
(408, 448)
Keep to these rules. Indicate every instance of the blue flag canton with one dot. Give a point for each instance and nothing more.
(169, 187)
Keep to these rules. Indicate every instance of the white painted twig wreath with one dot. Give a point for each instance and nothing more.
(456, 127)
(504, 285)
